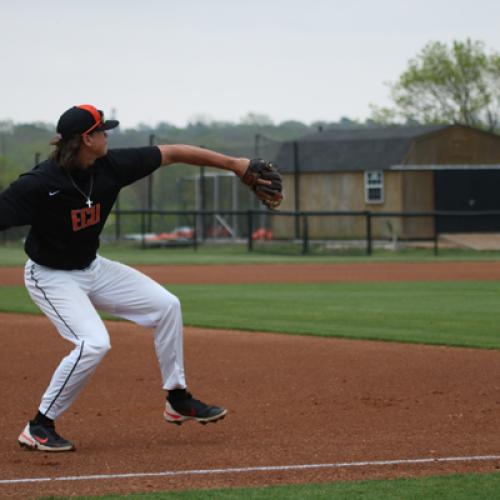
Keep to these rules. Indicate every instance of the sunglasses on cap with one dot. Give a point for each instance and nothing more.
(83, 120)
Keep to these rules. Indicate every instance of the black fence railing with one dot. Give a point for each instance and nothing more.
(198, 226)
(306, 230)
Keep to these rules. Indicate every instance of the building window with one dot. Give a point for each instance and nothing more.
(374, 186)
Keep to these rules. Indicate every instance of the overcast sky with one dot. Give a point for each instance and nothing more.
(174, 60)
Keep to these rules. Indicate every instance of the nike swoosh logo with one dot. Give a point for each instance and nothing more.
(53, 193)
(40, 440)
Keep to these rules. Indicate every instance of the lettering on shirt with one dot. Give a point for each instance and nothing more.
(85, 217)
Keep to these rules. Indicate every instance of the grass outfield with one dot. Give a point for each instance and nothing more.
(13, 255)
(453, 487)
(447, 313)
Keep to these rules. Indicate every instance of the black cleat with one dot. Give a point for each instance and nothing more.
(181, 406)
(43, 438)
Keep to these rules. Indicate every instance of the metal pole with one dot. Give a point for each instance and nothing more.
(253, 203)
(368, 233)
(195, 234)
(305, 236)
(256, 145)
(197, 205)
(436, 235)
(296, 175)
(215, 203)
(143, 230)
(250, 230)
(178, 204)
(235, 205)
(150, 190)
(37, 158)
(117, 218)
(202, 202)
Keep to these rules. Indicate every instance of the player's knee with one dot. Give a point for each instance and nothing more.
(97, 349)
(172, 306)
(163, 307)
(168, 307)
(174, 303)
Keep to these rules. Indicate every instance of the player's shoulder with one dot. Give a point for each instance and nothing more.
(33, 181)
(40, 171)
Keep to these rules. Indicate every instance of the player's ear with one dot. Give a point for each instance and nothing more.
(86, 140)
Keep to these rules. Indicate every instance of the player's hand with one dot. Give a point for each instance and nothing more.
(265, 181)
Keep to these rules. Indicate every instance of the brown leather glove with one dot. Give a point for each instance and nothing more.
(264, 180)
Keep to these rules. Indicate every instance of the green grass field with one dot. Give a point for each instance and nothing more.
(453, 487)
(448, 313)
(13, 255)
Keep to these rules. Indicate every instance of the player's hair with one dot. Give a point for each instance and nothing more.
(65, 155)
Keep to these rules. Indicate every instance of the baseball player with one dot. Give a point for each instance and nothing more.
(66, 201)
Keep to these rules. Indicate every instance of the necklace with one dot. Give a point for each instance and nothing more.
(88, 201)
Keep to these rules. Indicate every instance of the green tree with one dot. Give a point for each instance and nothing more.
(457, 84)
(260, 119)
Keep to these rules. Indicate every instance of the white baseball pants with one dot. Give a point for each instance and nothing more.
(70, 299)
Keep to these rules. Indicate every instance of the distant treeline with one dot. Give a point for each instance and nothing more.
(173, 188)
(21, 142)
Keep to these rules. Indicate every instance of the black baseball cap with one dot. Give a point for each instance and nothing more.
(81, 120)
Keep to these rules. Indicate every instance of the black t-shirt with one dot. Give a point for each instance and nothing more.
(65, 230)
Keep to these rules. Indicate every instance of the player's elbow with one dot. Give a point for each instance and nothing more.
(169, 154)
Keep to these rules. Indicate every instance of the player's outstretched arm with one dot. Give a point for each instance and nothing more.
(260, 176)
(193, 155)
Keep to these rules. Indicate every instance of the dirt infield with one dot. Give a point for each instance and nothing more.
(292, 400)
(305, 273)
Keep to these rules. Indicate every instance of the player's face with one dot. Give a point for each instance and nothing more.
(98, 143)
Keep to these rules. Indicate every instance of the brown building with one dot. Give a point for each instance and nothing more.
(392, 169)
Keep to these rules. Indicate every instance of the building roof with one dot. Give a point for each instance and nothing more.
(373, 148)
(375, 133)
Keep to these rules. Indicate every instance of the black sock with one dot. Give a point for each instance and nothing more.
(177, 394)
(41, 419)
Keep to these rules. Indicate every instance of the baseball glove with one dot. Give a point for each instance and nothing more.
(264, 180)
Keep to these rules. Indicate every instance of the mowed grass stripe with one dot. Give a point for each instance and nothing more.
(463, 313)
(12, 254)
(447, 313)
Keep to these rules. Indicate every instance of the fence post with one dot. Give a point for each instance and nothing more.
(250, 230)
(436, 235)
(195, 234)
(117, 218)
(117, 225)
(296, 186)
(143, 229)
(305, 236)
(202, 203)
(150, 190)
(368, 233)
